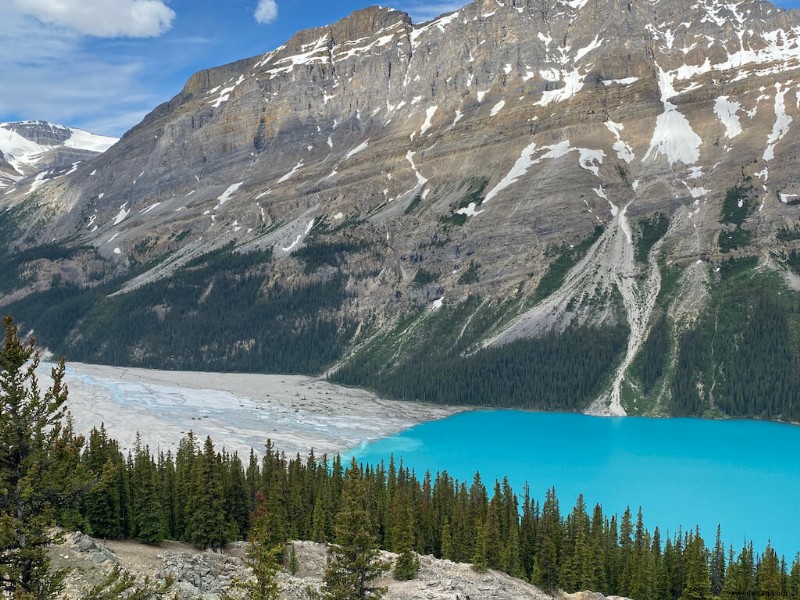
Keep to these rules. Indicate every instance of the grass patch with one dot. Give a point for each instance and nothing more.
(651, 229)
(423, 278)
(737, 205)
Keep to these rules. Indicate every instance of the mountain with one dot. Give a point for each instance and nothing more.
(546, 203)
(31, 147)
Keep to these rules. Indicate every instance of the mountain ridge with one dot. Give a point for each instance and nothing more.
(31, 147)
(559, 161)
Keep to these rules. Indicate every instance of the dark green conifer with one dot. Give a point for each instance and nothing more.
(30, 426)
(769, 576)
(698, 580)
(354, 559)
(447, 540)
(717, 566)
(407, 564)
(149, 522)
(263, 556)
(480, 551)
(207, 526)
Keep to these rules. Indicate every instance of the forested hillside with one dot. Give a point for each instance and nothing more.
(209, 497)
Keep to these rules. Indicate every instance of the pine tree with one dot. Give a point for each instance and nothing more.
(319, 522)
(354, 560)
(294, 562)
(549, 540)
(407, 564)
(30, 426)
(698, 580)
(769, 576)
(148, 517)
(102, 504)
(207, 526)
(262, 556)
(447, 540)
(717, 567)
(793, 583)
(625, 563)
(510, 558)
(480, 558)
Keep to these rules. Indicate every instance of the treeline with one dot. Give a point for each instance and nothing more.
(206, 498)
(741, 358)
(562, 371)
(435, 356)
(219, 312)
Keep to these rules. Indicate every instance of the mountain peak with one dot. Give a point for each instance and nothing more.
(29, 147)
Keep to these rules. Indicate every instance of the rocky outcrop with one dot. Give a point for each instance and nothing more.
(210, 575)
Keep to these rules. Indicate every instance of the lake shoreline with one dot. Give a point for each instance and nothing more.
(239, 411)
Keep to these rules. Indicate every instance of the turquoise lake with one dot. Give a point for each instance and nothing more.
(743, 475)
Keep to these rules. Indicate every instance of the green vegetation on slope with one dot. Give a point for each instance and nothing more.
(565, 258)
(426, 358)
(216, 313)
(736, 207)
(743, 356)
(651, 229)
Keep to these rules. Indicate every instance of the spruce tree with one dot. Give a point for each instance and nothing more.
(480, 552)
(148, 517)
(769, 576)
(793, 583)
(207, 526)
(407, 564)
(447, 540)
(354, 560)
(698, 580)
(30, 426)
(294, 562)
(717, 567)
(262, 556)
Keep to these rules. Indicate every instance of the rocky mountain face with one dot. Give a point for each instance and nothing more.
(28, 148)
(530, 166)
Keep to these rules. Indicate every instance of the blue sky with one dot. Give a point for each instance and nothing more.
(101, 65)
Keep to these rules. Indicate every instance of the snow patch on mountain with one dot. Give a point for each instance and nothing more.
(726, 110)
(673, 136)
(227, 194)
(623, 149)
(123, 213)
(782, 122)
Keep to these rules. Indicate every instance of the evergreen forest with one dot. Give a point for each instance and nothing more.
(208, 497)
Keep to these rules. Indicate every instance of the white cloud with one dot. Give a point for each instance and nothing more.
(49, 73)
(266, 11)
(102, 18)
